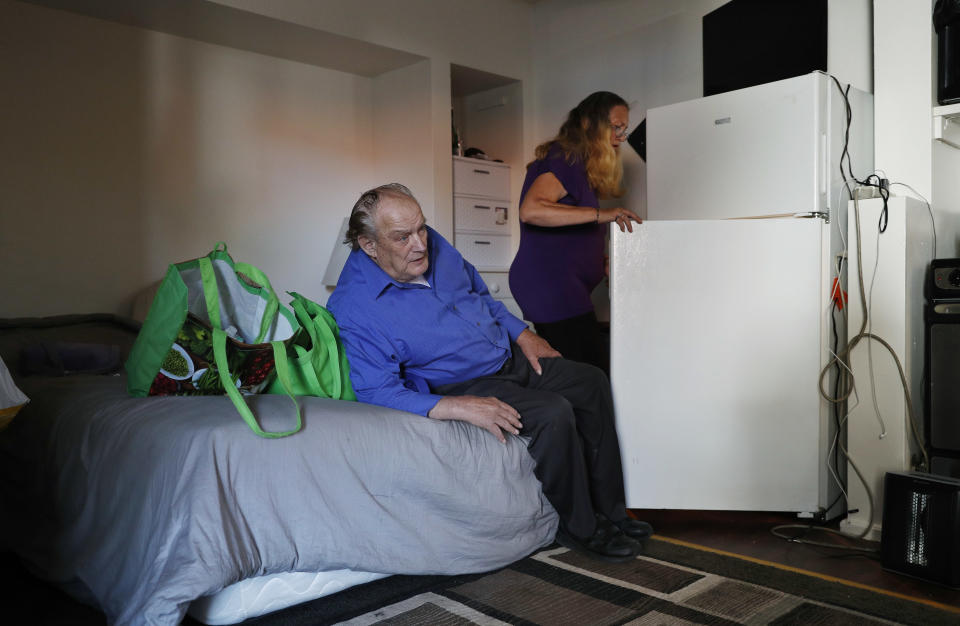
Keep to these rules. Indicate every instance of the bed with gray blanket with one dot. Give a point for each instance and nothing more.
(142, 505)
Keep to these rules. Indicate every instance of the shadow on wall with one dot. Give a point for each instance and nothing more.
(72, 231)
(128, 149)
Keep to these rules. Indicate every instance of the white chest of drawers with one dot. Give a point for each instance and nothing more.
(481, 222)
(481, 213)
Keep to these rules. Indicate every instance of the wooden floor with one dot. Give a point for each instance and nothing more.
(748, 534)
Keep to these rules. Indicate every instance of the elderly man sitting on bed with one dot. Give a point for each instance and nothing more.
(423, 334)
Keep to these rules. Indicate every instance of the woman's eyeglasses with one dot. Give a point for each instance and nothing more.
(619, 131)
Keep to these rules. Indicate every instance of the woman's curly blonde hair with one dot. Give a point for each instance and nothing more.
(585, 135)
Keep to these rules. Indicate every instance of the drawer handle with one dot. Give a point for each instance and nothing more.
(482, 243)
(480, 206)
(481, 172)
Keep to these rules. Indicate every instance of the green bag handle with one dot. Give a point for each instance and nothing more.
(283, 369)
(329, 325)
(255, 274)
(326, 324)
(273, 302)
(312, 382)
(328, 341)
(212, 298)
(314, 388)
(326, 344)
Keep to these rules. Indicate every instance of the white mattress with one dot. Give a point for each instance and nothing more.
(265, 594)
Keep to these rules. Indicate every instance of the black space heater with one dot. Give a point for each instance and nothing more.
(921, 527)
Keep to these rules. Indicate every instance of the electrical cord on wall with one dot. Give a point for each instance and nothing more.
(876, 174)
(933, 222)
(884, 194)
(834, 452)
(837, 304)
(842, 359)
(834, 306)
(836, 444)
(844, 383)
(848, 382)
(845, 156)
(873, 379)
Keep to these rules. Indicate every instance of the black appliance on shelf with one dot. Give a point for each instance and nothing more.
(921, 527)
(946, 21)
(638, 139)
(752, 42)
(942, 382)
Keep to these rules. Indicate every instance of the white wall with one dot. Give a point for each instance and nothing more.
(491, 35)
(493, 122)
(946, 173)
(946, 199)
(125, 150)
(402, 139)
(850, 42)
(903, 91)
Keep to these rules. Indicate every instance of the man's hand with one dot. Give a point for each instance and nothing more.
(488, 413)
(534, 346)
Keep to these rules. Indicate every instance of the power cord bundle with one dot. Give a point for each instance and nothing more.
(881, 183)
(844, 382)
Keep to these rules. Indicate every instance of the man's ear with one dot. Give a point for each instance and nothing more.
(368, 245)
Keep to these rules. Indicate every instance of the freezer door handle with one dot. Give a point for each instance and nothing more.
(813, 214)
(824, 174)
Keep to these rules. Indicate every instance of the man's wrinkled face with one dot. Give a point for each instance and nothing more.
(400, 248)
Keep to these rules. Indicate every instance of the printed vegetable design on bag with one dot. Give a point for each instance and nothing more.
(193, 340)
(189, 367)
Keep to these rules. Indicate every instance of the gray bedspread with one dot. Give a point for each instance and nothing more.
(141, 505)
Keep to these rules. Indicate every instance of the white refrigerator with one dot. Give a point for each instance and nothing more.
(720, 314)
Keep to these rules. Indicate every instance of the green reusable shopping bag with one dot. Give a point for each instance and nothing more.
(214, 327)
(320, 367)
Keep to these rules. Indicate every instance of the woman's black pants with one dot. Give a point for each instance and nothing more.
(579, 338)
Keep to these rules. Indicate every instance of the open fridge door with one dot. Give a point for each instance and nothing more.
(717, 328)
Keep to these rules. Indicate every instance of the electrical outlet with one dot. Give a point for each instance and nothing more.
(866, 192)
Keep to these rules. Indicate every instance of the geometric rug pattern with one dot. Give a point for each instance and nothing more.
(558, 586)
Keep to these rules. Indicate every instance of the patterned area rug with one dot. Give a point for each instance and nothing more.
(557, 586)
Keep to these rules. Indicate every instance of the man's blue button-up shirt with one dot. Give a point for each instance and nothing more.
(402, 339)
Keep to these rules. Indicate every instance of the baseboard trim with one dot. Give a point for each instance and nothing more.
(854, 527)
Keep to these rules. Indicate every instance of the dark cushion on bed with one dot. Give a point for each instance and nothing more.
(115, 335)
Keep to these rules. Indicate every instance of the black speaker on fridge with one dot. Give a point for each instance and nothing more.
(942, 388)
(946, 21)
(921, 527)
(752, 42)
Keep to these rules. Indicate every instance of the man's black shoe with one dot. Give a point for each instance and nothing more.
(634, 528)
(607, 543)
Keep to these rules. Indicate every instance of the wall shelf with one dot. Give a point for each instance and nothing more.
(946, 124)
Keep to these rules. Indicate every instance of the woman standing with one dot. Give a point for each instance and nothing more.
(562, 227)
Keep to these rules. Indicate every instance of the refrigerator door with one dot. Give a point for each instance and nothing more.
(737, 154)
(716, 334)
